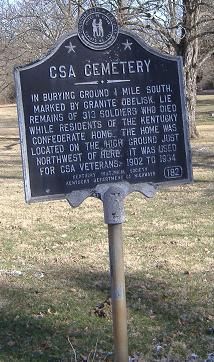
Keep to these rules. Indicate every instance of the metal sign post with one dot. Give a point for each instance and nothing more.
(112, 197)
(118, 295)
(114, 217)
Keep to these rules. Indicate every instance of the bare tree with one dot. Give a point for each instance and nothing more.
(29, 28)
(182, 27)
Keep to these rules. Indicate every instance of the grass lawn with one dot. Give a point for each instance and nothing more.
(54, 266)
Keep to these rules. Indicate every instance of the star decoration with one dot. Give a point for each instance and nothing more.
(127, 45)
(70, 47)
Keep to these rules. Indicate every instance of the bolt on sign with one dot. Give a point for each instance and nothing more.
(101, 107)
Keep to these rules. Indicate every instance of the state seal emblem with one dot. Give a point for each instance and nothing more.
(97, 28)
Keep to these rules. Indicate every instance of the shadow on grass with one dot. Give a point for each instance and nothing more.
(7, 177)
(203, 160)
(31, 330)
(196, 180)
(11, 145)
(10, 169)
(8, 124)
(24, 339)
(205, 113)
(204, 102)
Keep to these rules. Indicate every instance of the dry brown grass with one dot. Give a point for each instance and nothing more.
(62, 254)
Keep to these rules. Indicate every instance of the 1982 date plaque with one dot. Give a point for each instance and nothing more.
(101, 108)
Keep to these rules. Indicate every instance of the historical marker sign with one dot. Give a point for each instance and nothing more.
(102, 107)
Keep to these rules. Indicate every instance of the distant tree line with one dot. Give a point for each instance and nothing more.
(28, 28)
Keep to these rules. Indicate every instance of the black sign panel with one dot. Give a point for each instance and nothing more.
(90, 116)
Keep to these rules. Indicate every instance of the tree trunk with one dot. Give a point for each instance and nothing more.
(188, 49)
(191, 85)
(122, 12)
